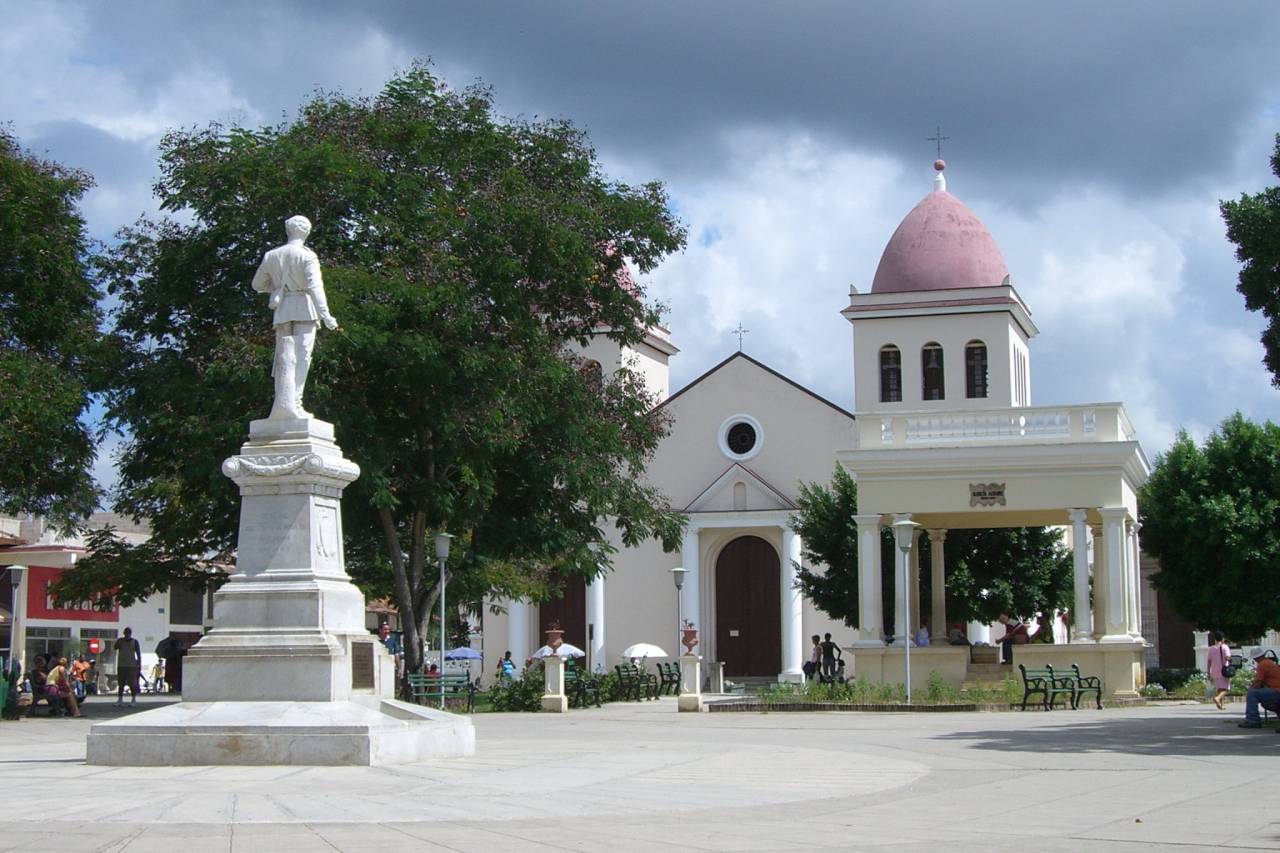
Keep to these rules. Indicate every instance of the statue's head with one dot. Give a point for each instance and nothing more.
(297, 227)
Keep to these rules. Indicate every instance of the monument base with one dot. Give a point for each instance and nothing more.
(363, 731)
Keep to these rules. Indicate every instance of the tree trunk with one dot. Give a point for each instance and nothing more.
(409, 623)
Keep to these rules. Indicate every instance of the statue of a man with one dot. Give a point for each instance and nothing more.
(291, 274)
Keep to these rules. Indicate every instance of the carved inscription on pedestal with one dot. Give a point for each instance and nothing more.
(326, 531)
(361, 666)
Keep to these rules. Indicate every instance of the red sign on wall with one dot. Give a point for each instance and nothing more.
(40, 600)
(95, 646)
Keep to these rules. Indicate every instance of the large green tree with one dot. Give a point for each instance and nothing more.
(1253, 224)
(1211, 515)
(464, 256)
(1022, 570)
(49, 339)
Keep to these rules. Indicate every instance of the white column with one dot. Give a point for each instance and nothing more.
(1114, 565)
(690, 606)
(595, 619)
(915, 579)
(901, 618)
(518, 631)
(870, 587)
(1135, 581)
(18, 630)
(938, 584)
(1081, 615)
(1099, 587)
(792, 610)
(1200, 641)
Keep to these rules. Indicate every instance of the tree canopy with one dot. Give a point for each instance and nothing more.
(989, 571)
(49, 338)
(1253, 224)
(464, 256)
(1211, 516)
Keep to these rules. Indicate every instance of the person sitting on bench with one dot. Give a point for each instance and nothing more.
(1015, 634)
(1265, 689)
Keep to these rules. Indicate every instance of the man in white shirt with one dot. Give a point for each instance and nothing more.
(291, 274)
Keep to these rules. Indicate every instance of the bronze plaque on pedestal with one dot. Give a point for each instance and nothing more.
(362, 666)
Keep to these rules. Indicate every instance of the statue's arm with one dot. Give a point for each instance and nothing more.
(315, 286)
(262, 279)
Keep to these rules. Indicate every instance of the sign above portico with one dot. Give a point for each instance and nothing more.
(986, 494)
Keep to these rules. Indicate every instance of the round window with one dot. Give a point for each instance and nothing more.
(741, 438)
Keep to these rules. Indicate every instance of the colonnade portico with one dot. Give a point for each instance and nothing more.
(1114, 646)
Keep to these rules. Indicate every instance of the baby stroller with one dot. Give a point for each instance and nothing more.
(836, 678)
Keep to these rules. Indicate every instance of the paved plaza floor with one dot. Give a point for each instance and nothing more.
(644, 778)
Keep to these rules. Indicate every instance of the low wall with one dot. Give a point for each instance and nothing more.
(1121, 666)
(886, 664)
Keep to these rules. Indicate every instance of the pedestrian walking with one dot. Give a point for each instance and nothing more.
(1219, 660)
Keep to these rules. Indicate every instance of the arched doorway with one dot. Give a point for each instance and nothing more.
(749, 608)
(570, 610)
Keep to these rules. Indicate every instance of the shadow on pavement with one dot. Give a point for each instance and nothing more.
(97, 708)
(1205, 736)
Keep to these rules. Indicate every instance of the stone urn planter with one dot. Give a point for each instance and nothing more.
(689, 637)
(555, 636)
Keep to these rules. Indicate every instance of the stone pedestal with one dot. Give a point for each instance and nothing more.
(690, 698)
(553, 697)
(715, 676)
(289, 674)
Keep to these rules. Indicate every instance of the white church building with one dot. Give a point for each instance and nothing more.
(943, 434)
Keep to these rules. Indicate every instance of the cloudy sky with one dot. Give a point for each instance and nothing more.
(1094, 139)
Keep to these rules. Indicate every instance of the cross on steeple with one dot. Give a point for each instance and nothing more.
(939, 138)
(739, 332)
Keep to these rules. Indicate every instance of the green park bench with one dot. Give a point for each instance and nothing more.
(669, 679)
(1082, 685)
(1048, 685)
(425, 689)
(635, 682)
(582, 688)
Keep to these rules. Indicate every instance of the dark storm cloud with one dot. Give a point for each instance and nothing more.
(1134, 94)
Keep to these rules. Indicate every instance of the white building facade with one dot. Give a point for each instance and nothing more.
(944, 434)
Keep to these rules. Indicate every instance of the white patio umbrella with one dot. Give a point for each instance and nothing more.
(643, 650)
(566, 650)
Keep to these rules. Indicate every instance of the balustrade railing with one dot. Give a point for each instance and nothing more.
(1099, 422)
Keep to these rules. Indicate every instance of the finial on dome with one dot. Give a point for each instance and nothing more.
(939, 182)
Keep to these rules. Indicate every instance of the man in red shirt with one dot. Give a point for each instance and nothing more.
(1265, 688)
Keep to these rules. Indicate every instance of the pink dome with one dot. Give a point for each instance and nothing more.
(940, 245)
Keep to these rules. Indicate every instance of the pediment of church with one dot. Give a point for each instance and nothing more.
(739, 489)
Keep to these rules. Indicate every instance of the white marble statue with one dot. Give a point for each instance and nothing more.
(291, 274)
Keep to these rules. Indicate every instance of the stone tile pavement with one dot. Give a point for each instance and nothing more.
(644, 778)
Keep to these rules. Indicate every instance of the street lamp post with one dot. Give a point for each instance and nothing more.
(903, 533)
(17, 640)
(442, 554)
(677, 575)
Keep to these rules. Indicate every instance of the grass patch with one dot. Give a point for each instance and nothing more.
(860, 691)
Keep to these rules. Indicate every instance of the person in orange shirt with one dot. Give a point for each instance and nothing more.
(1265, 688)
(80, 677)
